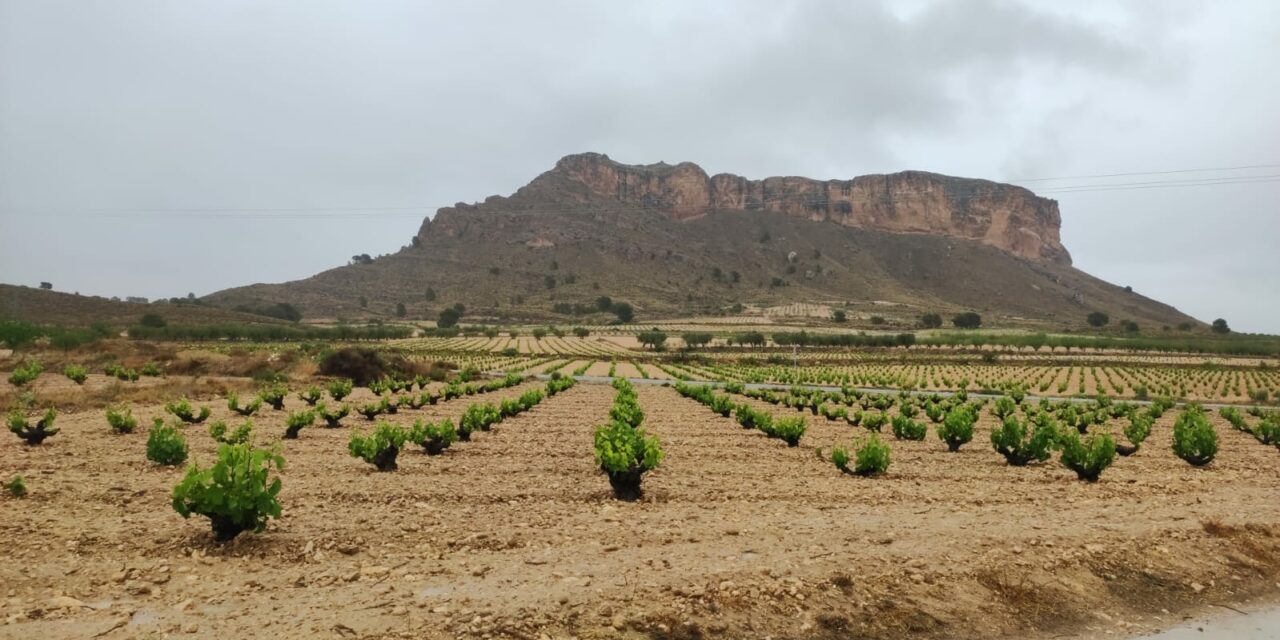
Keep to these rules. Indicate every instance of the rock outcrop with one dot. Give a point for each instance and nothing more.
(1004, 216)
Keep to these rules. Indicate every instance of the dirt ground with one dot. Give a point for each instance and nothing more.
(515, 535)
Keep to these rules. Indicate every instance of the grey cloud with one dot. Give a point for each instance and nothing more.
(318, 104)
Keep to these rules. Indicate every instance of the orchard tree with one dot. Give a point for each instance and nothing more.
(653, 338)
(1098, 319)
(967, 320)
(931, 321)
(624, 312)
(449, 318)
(1220, 326)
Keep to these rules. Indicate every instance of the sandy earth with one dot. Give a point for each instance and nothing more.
(514, 535)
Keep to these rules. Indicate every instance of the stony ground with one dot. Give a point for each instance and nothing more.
(515, 535)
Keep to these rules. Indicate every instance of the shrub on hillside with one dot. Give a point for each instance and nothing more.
(967, 320)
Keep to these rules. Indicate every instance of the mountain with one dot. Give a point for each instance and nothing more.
(675, 242)
(42, 306)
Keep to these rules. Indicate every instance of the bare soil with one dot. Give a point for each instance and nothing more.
(514, 534)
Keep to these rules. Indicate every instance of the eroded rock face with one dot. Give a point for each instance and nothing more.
(1001, 215)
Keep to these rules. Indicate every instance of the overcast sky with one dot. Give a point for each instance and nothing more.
(122, 124)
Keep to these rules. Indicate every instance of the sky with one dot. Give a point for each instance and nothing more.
(156, 148)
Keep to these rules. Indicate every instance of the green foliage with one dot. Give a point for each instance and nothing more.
(556, 386)
(372, 410)
(183, 410)
(1023, 442)
(296, 421)
(1194, 439)
(379, 448)
(165, 444)
(25, 373)
(872, 457)
(620, 448)
(479, 417)
(151, 370)
(967, 320)
(653, 338)
(789, 430)
(121, 420)
(339, 389)
(626, 408)
(17, 487)
(237, 493)
(1098, 319)
(957, 428)
(274, 396)
(1268, 430)
(1220, 326)
(434, 437)
(233, 403)
(36, 433)
(242, 434)
(1088, 458)
(1004, 407)
(332, 417)
(875, 420)
(311, 395)
(905, 428)
(76, 373)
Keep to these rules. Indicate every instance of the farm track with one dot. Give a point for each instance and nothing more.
(514, 534)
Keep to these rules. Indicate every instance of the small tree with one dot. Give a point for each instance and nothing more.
(1220, 326)
(46, 285)
(695, 340)
(449, 318)
(581, 332)
(237, 493)
(839, 315)
(653, 338)
(400, 310)
(152, 320)
(1098, 319)
(623, 311)
(931, 321)
(967, 320)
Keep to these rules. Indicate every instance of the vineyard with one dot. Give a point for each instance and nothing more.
(458, 488)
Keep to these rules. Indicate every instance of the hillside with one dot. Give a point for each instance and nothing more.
(40, 306)
(674, 242)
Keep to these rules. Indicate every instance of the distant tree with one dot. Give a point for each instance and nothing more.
(1220, 326)
(1184, 326)
(764, 237)
(777, 282)
(750, 338)
(494, 271)
(735, 276)
(696, 339)
(931, 321)
(877, 319)
(449, 318)
(1098, 319)
(151, 320)
(839, 315)
(363, 258)
(400, 310)
(46, 285)
(581, 332)
(549, 281)
(431, 294)
(491, 332)
(653, 338)
(555, 265)
(967, 320)
(539, 333)
(459, 308)
(1129, 326)
(604, 303)
(364, 302)
(1128, 289)
(716, 273)
(624, 312)
(415, 241)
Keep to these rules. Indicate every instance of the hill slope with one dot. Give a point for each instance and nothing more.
(55, 307)
(674, 242)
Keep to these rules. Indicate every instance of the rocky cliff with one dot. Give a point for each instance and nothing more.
(1004, 216)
